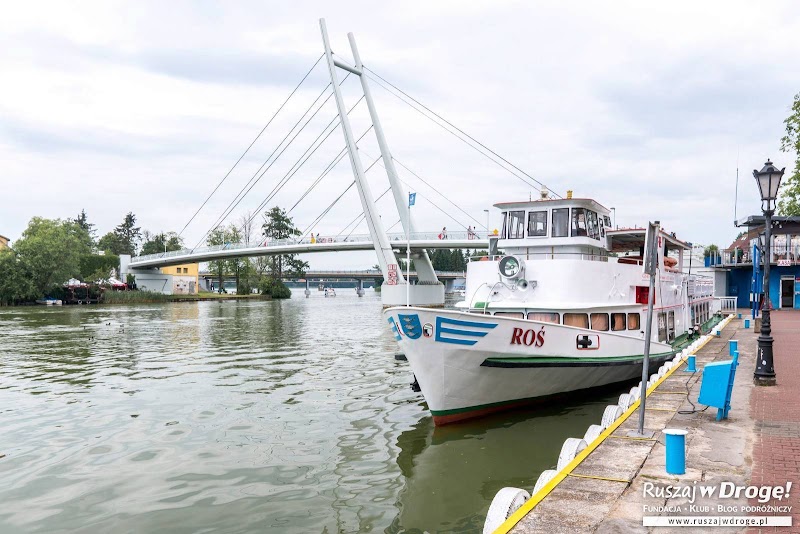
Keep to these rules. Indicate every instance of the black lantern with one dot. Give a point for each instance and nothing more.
(769, 180)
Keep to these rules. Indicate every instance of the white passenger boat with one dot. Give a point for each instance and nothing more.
(561, 310)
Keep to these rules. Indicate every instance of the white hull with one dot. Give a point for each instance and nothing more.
(469, 364)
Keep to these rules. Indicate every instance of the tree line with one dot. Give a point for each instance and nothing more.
(52, 251)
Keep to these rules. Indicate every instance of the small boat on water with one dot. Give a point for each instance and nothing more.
(330, 292)
(563, 309)
(49, 302)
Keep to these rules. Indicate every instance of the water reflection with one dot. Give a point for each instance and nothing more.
(288, 417)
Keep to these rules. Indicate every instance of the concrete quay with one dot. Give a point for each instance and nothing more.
(759, 444)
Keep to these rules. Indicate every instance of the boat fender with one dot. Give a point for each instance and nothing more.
(625, 401)
(592, 433)
(669, 365)
(662, 371)
(543, 479)
(653, 378)
(635, 392)
(505, 503)
(611, 414)
(571, 447)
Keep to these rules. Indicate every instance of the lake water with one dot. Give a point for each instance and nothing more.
(285, 416)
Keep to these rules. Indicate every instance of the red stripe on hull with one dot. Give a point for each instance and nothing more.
(441, 420)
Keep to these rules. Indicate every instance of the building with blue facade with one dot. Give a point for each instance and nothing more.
(743, 263)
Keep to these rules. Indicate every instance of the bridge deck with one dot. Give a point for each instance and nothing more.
(221, 252)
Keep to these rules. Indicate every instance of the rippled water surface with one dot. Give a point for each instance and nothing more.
(285, 416)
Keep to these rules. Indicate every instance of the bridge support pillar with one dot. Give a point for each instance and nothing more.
(360, 290)
(426, 295)
(308, 289)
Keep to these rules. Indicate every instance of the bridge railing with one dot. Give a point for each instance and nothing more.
(358, 238)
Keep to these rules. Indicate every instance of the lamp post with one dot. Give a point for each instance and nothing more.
(487, 223)
(768, 180)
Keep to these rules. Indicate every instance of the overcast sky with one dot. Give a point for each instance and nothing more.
(144, 106)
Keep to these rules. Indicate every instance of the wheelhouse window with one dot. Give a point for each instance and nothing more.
(617, 321)
(516, 224)
(600, 321)
(633, 321)
(578, 222)
(505, 221)
(543, 317)
(606, 221)
(592, 227)
(581, 320)
(561, 222)
(537, 224)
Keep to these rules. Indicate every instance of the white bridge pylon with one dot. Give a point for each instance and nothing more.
(394, 291)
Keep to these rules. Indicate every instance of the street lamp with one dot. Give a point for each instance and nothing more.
(768, 179)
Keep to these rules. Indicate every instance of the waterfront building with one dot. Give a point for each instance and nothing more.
(185, 278)
(743, 265)
(4, 242)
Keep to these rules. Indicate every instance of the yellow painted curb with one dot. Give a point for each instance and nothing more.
(535, 499)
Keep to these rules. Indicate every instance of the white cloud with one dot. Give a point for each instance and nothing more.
(645, 107)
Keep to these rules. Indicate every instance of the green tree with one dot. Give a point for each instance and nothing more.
(278, 225)
(50, 252)
(789, 203)
(83, 222)
(159, 243)
(124, 239)
(219, 236)
(16, 284)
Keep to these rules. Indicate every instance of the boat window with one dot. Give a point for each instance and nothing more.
(600, 321)
(633, 321)
(606, 221)
(591, 225)
(516, 224)
(537, 223)
(617, 321)
(581, 320)
(561, 222)
(662, 327)
(515, 315)
(543, 317)
(505, 218)
(578, 222)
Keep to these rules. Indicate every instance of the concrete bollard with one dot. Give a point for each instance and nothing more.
(733, 346)
(676, 451)
(691, 364)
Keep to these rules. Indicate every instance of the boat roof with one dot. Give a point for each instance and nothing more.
(555, 203)
(631, 238)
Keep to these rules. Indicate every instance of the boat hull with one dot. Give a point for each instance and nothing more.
(469, 365)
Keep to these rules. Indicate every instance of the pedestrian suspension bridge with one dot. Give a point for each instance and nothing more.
(411, 242)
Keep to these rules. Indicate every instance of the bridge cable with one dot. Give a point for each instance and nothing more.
(251, 144)
(429, 200)
(288, 176)
(378, 81)
(360, 216)
(256, 176)
(325, 212)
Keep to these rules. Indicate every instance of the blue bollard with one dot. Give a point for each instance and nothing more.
(733, 346)
(747, 323)
(676, 451)
(738, 315)
(690, 364)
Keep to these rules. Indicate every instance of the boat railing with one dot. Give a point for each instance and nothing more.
(781, 254)
(550, 256)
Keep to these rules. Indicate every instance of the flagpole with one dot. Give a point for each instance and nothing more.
(408, 255)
